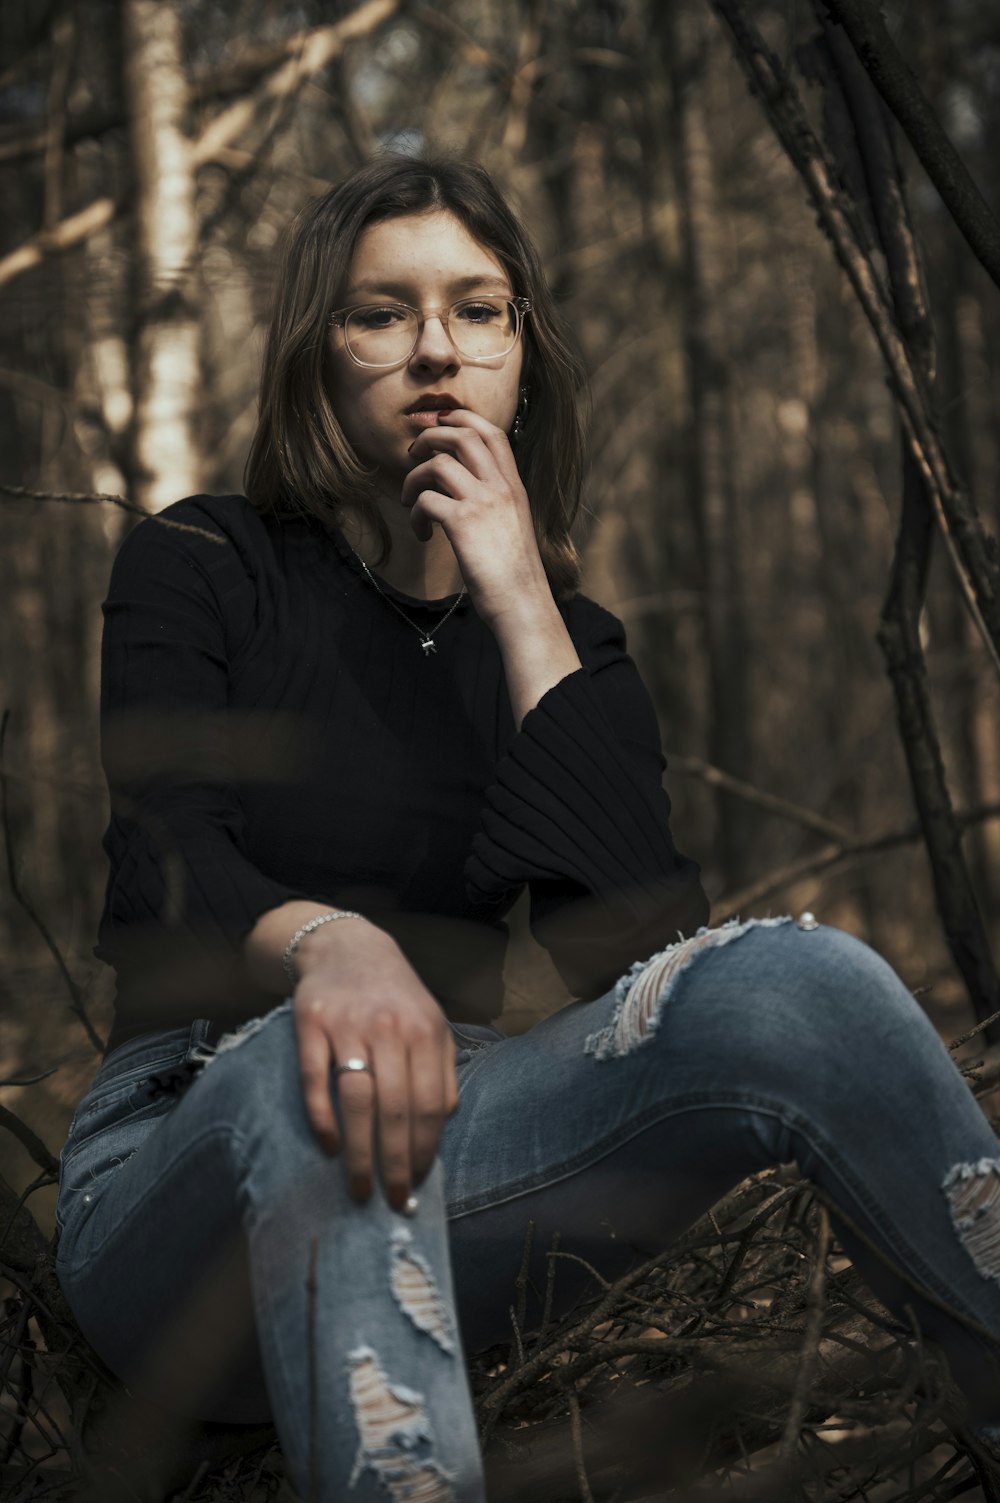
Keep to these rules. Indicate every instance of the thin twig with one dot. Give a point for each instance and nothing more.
(550, 1286)
(957, 1043)
(517, 1314)
(733, 903)
(21, 493)
(780, 1198)
(29, 1079)
(576, 1430)
(715, 777)
(968, 1321)
(29, 1140)
(810, 1339)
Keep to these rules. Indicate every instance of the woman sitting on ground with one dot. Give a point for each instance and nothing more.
(300, 1183)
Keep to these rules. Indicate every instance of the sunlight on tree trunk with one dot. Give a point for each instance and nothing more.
(167, 366)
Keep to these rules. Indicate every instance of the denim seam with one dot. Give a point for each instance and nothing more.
(907, 1257)
(73, 1147)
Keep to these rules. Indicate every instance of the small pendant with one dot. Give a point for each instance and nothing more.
(428, 646)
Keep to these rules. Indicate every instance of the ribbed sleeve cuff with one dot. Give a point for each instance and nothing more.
(566, 805)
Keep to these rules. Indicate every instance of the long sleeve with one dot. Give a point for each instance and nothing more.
(578, 812)
(181, 891)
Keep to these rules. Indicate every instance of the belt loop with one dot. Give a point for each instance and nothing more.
(203, 1031)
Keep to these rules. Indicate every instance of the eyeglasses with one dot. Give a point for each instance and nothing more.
(480, 328)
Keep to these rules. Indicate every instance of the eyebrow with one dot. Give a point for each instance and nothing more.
(404, 289)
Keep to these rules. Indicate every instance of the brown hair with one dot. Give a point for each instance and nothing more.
(300, 462)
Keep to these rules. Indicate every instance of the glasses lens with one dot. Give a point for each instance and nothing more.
(381, 335)
(480, 328)
(483, 327)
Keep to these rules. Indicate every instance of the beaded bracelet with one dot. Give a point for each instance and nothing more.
(300, 934)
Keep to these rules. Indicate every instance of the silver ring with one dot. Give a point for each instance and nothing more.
(353, 1066)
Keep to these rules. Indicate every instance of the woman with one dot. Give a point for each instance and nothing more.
(373, 707)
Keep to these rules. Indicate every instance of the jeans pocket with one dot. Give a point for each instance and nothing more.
(137, 1085)
(475, 1036)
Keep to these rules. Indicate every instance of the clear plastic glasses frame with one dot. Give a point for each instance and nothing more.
(342, 317)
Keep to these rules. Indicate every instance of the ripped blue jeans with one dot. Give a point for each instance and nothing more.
(212, 1256)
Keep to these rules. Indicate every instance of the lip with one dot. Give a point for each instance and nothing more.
(432, 402)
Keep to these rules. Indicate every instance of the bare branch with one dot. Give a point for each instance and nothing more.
(62, 236)
(977, 571)
(696, 767)
(303, 55)
(890, 73)
(810, 1339)
(307, 55)
(21, 493)
(732, 904)
(29, 1140)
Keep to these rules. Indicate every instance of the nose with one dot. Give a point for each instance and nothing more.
(434, 349)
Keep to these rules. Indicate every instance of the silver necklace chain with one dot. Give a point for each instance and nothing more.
(426, 637)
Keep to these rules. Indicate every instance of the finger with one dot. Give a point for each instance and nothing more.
(430, 507)
(356, 1099)
(392, 1088)
(314, 1069)
(442, 472)
(466, 444)
(428, 1094)
(493, 437)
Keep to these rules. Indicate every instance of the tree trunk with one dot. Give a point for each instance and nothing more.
(710, 439)
(166, 356)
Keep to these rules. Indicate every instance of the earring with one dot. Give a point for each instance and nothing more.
(521, 414)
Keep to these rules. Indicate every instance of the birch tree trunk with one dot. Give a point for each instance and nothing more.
(167, 377)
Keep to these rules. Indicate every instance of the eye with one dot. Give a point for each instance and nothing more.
(380, 317)
(481, 311)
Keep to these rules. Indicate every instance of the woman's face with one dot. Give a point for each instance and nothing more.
(428, 261)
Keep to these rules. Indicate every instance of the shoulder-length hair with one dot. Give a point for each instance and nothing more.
(300, 462)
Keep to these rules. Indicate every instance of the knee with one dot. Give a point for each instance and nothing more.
(759, 987)
(251, 1083)
(822, 991)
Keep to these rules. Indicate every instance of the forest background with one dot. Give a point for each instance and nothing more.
(746, 474)
(787, 298)
(747, 479)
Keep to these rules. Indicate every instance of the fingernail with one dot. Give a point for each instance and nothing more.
(410, 1206)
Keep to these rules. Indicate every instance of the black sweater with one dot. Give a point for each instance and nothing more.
(271, 729)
